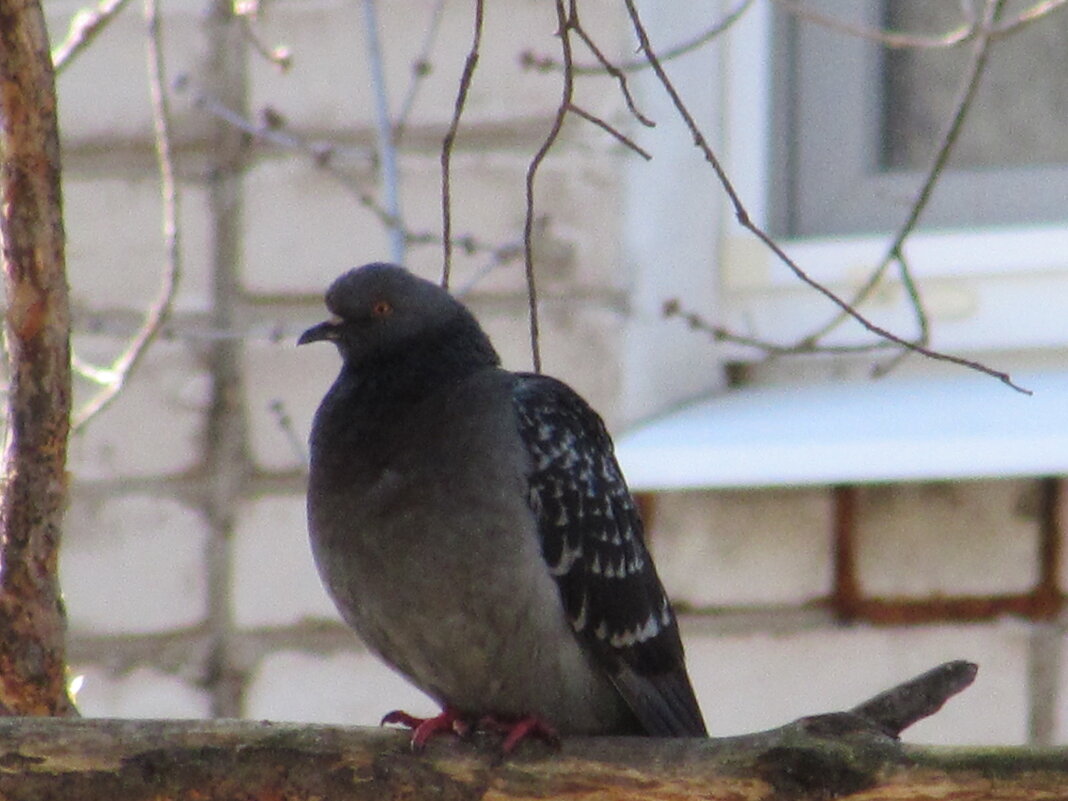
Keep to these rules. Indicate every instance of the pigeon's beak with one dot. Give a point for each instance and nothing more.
(329, 330)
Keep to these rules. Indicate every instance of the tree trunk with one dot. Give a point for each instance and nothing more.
(37, 328)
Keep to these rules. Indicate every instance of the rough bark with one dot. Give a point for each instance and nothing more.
(37, 328)
(818, 758)
(853, 754)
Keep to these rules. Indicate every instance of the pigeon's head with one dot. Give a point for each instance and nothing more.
(382, 308)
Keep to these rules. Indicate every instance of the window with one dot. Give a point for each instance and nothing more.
(861, 122)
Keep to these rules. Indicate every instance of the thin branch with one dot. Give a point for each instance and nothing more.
(159, 312)
(387, 150)
(742, 215)
(470, 64)
(84, 27)
(923, 323)
(615, 72)
(564, 20)
(674, 308)
(615, 132)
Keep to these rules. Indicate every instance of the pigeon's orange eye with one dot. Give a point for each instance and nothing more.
(382, 308)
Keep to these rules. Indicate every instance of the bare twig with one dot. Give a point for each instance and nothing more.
(742, 215)
(470, 64)
(674, 308)
(621, 137)
(158, 313)
(84, 27)
(923, 324)
(565, 16)
(387, 150)
(615, 72)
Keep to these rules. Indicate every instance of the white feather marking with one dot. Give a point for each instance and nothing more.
(579, 623)
(649, 629)
(568, 557)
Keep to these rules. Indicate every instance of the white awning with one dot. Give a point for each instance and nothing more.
(891, 429)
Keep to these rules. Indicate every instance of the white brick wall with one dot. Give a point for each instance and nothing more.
(151, 554)
(905, 532)
(743, 549)
(133, 564)
(345, 688)
(279, 587)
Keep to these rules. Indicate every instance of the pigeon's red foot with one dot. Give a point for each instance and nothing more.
(449, 721)
(515, 730)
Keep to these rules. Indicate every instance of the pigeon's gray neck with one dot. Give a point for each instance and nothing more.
(414, 369)
(359, 419)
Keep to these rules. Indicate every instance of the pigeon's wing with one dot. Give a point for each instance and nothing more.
(592, 542)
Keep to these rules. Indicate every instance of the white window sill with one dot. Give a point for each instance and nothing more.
(908, 429)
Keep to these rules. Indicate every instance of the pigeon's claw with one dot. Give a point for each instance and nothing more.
(517, 730)
(449, 721)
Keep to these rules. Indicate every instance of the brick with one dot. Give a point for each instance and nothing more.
(296, 378)
(944, 538)
(738, 548)
(141, 693)
(748, 682)
(350, 688)
(154, 426)
(133, 564)
(271, 551)
(115, 250)
(303, 229)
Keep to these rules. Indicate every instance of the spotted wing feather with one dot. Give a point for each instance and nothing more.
(593, 545)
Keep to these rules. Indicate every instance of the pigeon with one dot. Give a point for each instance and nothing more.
(472, 525)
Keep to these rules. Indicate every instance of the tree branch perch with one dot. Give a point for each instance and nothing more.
(851, 753)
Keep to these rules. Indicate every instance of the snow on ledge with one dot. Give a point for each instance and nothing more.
(891, 429)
